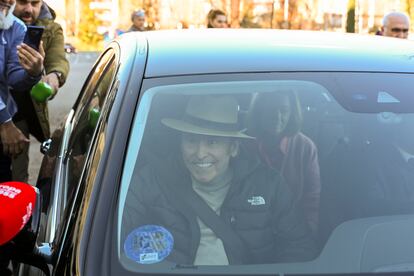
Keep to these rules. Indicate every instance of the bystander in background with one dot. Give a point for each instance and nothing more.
(32, 116)
(216, 19)
(396, 24)
(138, 21)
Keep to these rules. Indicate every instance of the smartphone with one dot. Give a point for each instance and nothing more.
(33, 36)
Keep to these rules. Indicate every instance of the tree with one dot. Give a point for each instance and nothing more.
(350, 19)
(409, 6)
(152, 8)
(235, 13)
(248, 20)
(287, 16)
(88, 28)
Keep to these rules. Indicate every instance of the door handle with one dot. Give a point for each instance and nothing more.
(45, 146)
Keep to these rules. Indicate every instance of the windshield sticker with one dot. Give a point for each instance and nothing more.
(149, 244)
(384, 97)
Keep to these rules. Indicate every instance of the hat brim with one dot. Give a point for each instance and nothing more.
(194, 129)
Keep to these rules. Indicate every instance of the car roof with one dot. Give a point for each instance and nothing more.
(208, 51)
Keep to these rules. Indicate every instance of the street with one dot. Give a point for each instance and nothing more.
(80, 65)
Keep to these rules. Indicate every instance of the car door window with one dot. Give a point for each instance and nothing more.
(90, 85)
(86, 120)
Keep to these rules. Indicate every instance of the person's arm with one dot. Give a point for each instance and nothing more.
(291, 229)
(55, 59)
(312, 187)
(56, 64)
(379, 192)
(24, 65)
(136, 206)
(12, 139)
(4, 112)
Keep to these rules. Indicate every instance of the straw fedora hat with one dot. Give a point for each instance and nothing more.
(209, 115)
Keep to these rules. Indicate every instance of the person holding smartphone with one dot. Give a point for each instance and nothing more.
(32, 116)
(21, 68)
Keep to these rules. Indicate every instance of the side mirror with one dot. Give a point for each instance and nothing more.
(19, 225)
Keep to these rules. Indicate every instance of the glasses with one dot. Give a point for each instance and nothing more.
(399, 30)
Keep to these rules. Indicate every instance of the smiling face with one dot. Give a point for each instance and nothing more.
(28, 10)
(207, 157)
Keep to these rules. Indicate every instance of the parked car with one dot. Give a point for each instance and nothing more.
(118, 198)
(70, 49)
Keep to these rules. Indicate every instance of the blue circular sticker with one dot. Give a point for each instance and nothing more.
(149, 244)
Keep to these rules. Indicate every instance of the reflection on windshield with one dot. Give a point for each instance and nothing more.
(265, 173)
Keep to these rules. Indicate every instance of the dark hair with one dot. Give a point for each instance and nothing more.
(257, 107)
(212, 14)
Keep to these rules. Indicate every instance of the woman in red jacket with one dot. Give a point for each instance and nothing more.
(275, 119)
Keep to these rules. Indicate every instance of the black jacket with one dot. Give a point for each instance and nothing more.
(272, 232)
(364, 180)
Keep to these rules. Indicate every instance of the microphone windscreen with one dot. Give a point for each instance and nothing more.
(17, 201)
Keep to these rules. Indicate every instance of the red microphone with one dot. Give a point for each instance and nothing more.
(17, 202)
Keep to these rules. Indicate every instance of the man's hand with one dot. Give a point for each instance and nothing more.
(30, 59)
(53, 81)
(12, 138)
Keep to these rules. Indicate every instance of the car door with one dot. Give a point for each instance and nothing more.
(65, 161)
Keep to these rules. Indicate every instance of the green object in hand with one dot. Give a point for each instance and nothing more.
(41, 92)
(93, 117)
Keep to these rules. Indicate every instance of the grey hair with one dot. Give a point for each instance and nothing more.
(394, 13)
(137, 13)
(6, 21)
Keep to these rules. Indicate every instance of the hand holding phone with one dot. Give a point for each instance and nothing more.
(30, 59)
(33, 36)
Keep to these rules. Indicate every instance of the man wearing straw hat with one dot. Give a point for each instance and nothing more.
(211, 205)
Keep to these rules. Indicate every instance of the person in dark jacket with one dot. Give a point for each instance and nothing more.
(252, 203)
(372, 176)
(32, 117)
(138, 21)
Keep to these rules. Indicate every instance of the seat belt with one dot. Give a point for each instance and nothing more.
(239, 251)
(231, 240)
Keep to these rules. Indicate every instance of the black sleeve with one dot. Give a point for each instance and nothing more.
(136, 208)
(294, 237)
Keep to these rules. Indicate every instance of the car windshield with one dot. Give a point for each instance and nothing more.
(285, 173)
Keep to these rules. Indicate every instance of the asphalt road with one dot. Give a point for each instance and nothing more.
(80, 65)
